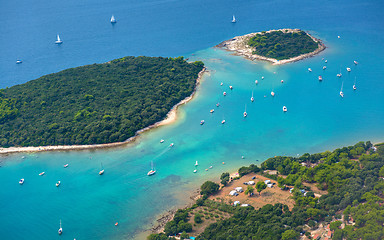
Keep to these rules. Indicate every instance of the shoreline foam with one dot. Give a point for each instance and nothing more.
(170, 118)
(239, 46)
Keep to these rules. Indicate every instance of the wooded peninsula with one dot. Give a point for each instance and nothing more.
(95, 104)
(337, 195)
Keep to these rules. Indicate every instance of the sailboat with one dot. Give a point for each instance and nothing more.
(233, 19)
(60, 231)
(252, 99)
(341, 91)
(152, 171)
(58, 41)
(354, 85)
(245, 111)
(196, 164)
(102, 170)
(113, 20)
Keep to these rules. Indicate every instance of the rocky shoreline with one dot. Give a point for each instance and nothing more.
(239, 46)
(159, 225)
(170, 118)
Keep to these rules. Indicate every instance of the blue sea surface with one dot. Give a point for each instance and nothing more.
(318, 119)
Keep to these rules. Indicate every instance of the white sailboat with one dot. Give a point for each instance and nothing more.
(354, 85)
(196, 164)
(341, 91)
(245, 111)
(252, 99)
(58, 41)
(152, 171)
(233, 19)
(113, 20)
(102, 170)
(60, 231)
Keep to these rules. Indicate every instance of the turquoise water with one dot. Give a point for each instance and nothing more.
(317, 118)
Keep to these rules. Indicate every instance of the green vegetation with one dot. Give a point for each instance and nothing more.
(260, 186)
(353, 179)
(98, 103)
(282, 45)
(209, 188)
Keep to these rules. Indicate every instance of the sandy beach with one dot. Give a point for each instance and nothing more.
(238, 45)
(170, 118)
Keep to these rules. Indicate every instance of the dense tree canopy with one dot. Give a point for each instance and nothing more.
(282, 45)
(98, 103)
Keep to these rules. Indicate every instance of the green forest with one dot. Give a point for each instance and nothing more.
(352, 176)
(93, 104)
(282, 45)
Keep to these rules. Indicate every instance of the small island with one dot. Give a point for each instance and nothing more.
(276, 46)
(96, 105)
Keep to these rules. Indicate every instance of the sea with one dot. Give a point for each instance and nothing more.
(318, 119)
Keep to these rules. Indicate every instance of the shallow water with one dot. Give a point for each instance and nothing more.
(317, 118)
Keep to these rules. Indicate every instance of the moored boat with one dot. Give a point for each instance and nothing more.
(66, 165)
(58, 183)
(101, 172)
(41, 174)
(152, 171)
(60, 231)
(201, 122)
(285, 109)
(224, 93)
(162, 140)
(320, 78)
(18, 61)
(21, 181)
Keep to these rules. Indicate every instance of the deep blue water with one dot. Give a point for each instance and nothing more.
(317, 118)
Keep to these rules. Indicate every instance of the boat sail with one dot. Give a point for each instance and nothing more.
(354, 85)
(113, 20)
(233, 19)
(58, 41)
(252, 99)
(152, 171)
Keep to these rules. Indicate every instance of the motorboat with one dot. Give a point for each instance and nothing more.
(21, 181)
(285, 109)
(19, 61)
(58, 183)
(272, 94)
(201, 122)
(224, 93)
(222, 122)
(212, 110)
(320, 78)
(348, 69)
(162, 140)
(324, 67)
(152, 171)
(230, 87)
(41, 174)
(66, 165)
(309, 70)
